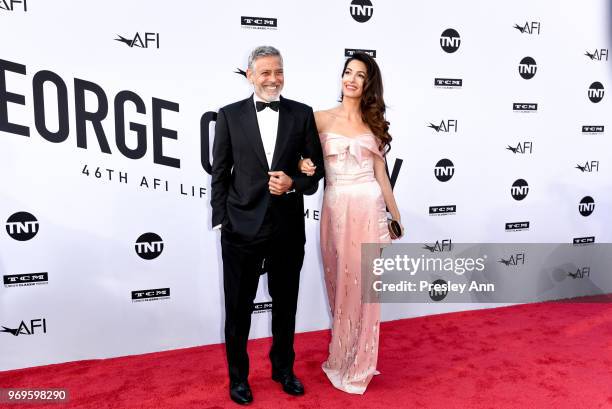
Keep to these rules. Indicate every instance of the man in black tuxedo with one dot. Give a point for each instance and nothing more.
(257, 202)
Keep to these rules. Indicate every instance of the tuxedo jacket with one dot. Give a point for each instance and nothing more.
(240, 196)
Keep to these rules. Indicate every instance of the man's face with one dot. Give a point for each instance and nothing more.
(267, 77)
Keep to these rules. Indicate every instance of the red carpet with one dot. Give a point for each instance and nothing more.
(548, 355)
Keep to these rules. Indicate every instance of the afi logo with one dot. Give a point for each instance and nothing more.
(527, 68)
(580, 273)
(530, 27)
(9, 5)
(24, 329)
(598, 54)
(513, 260)
(586, 206)
(439, 245)
(140, 41)
(361, 10)
(596, 92)
(149, 246)
(450, 40)
(22, 226)
(450, 125)
(592, 166)
(522, 147)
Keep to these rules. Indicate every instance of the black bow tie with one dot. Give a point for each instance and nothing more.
(260, 105)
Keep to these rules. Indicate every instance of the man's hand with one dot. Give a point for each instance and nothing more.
(279, 182)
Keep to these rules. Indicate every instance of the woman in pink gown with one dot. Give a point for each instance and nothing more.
(354, 137)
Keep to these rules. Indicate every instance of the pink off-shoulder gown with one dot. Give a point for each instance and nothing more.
(353, 213)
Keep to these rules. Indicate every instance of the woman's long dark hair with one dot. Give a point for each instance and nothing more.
(372, 104)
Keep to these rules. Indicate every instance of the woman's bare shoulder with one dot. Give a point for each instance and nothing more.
(323, 118)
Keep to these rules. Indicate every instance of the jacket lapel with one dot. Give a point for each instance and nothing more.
(251, 130)
(285, 123)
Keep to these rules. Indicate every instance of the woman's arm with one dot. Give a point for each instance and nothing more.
(380, 173)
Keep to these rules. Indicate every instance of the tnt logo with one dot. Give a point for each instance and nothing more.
(148, 40)
(450, 40)
(586, 206)
(598, 55)
(519, 189)
(527, 68)
(361, 10)
(592, 166)
(530, 27)
(522, 147)
(9, 5)
(444, 170)
(580, 273)
(450, 125)
(34, 327)
(439, 245)
(22, 226)
(149, 246)
(438, 290)
(513, 260)
(596, 92)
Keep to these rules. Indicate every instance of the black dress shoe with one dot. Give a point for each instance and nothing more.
(291, 384)
(240, 392)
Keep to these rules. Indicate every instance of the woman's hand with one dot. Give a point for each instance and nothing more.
(307, 167)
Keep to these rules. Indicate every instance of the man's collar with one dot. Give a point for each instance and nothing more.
(256, 98)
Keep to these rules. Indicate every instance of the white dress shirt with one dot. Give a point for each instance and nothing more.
(268, 128)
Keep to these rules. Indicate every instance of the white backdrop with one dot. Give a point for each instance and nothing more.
(88, 226)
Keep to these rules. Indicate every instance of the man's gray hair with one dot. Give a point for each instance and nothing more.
(263, 51)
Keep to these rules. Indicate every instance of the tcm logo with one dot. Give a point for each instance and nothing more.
(522, 147)
(439, 245)
(150, 295)
(519, 189)
(23, 280)
(442, 210)
(448, 83)
(438, 290)
(530, 27)
(259, 307)
(450, 40)
(524, 107)
(11, 5)
(592, 129)
(600, 54)
(513, 260)
(149, 246)
(589, 166)
(517, 226)
(349, 52)
(586, 207)
(584, 240)
(450, 125)
(22, 226)
(148, 40)
(580, 273)
(444, 170)
(596, 92)
(259, 23)
(527, 68)
(36, 326)
(361, 10)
